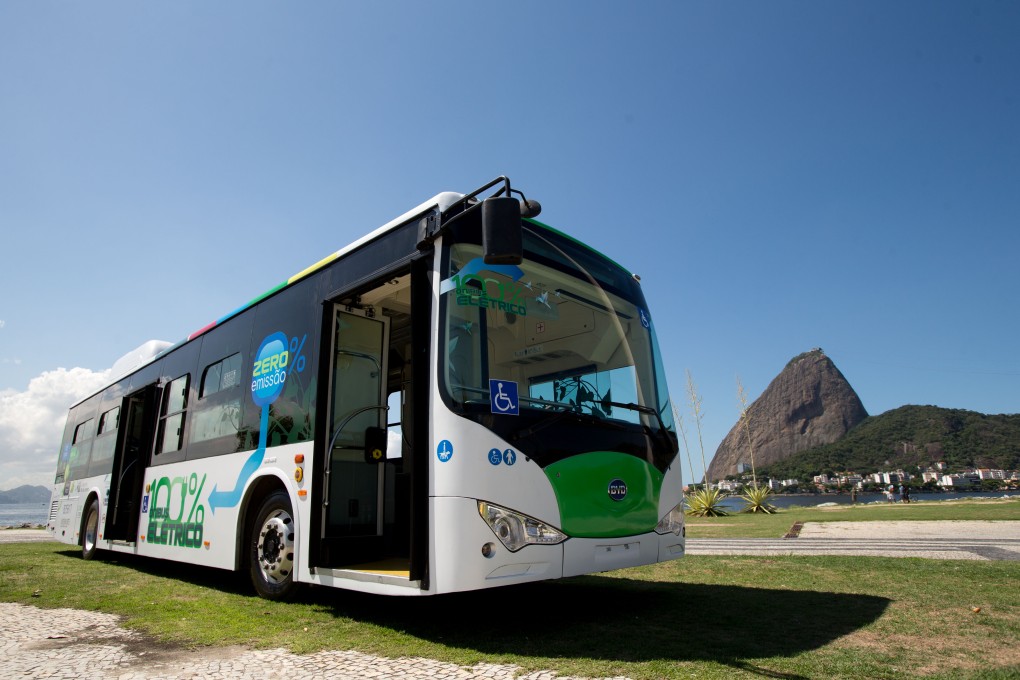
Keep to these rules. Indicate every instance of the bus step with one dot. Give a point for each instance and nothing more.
(356, 575)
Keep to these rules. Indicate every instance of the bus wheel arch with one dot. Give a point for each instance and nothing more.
(252, 500)
(89, 536)
(271, 547)
(266, 538)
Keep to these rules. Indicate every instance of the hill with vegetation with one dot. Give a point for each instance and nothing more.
(25, 494)
(910, 437)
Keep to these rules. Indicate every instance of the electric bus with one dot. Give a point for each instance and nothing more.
(463, 398)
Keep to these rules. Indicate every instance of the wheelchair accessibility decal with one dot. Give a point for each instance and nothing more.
(503, 397)
(496, 456)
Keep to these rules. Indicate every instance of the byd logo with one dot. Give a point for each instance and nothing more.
(617, 489)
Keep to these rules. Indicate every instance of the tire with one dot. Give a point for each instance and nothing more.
(271, 548)
(90, 531)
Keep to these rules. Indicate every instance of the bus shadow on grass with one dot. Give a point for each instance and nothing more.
(589, 617)
(619, 619)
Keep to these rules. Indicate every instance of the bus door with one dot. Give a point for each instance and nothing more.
(355, 479)
(135, 442)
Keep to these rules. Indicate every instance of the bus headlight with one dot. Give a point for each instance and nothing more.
(515, 530)
(673, 522)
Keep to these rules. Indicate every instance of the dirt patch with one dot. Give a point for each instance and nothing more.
(936, 653)
(135, 651)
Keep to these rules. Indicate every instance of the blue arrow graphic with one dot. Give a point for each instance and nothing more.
(228, 499)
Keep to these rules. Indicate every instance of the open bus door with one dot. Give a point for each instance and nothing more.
(371, 490)
(129, 463)
(355, 477)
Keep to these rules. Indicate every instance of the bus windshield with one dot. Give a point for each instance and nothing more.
(563, 337)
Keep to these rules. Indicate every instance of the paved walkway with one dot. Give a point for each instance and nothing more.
(944, 540)
(80, 645)
(24, 536)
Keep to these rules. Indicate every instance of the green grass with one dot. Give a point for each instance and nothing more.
(711, 617)
(775, 526)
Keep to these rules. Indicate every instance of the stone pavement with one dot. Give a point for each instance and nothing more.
(81, 645)
(944, 540)
(24, 535)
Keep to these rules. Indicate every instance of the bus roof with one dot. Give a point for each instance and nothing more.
(154, 349)
(441, 201)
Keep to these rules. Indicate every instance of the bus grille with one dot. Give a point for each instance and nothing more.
(53, 510)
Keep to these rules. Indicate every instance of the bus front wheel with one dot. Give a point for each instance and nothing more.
(271, 548)
(90, 531)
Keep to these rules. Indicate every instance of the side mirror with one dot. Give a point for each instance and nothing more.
(502, 231)
(375, 445)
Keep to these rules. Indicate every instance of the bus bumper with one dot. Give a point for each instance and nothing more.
(459, 562)
(588, 555)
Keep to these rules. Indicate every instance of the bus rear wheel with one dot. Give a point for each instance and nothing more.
(271, 549)
(90, 531)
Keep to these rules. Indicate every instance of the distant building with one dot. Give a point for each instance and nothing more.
(895, 477)
(984, 473)
(956, 481)
(891, 478)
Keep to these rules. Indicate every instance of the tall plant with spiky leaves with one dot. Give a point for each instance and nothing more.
(742, 398)
(755, 496)
(706, 501)
(694, 401)
(682, 429)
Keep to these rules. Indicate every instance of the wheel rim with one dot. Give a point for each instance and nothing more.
(91, 529)
(275, 549)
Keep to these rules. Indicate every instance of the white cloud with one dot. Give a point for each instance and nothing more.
(32, 423)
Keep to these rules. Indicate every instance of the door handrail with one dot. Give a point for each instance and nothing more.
(332, 443)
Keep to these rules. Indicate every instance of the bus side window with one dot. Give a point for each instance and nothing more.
(171, 417)
(106, 440)
(218, 411)
(81, 448)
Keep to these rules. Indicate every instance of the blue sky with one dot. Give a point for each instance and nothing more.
(782, 175)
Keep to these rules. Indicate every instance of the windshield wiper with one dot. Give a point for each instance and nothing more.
(648, 410)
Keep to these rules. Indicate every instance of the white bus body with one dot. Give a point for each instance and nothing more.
(401, 418)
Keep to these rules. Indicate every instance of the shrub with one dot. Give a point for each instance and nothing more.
(705, 502)
(756, 498)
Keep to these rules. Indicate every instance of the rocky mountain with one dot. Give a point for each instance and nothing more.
(807, 405)
(25, 494)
